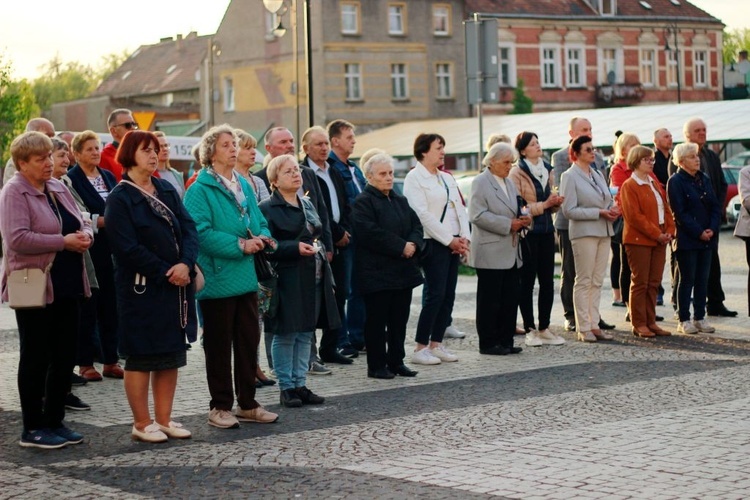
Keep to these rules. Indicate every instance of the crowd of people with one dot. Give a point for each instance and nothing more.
(135, 261)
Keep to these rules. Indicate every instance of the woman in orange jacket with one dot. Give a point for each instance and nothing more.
(649, 227)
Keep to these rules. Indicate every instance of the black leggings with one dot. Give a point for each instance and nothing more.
(538, 263)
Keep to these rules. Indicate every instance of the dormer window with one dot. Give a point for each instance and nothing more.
(608, 7)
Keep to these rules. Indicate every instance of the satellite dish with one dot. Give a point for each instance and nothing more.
(611, 77)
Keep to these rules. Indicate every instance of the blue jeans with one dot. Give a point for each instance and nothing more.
(694, 267)
(291, 358)
(355, 308)
(440, 268)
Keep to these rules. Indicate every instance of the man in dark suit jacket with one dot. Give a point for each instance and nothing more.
(316, 146)
(695, 132)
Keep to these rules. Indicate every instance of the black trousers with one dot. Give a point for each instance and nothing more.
(614, 265)
(715, 296)
(538, 263)
(230, 327)
(567, 275)
(387, 313)
(747, 258)
(497, 306)
(329, 341)
(98, 337)
(48, 350)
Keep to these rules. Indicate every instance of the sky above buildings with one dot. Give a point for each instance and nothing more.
(32, 33)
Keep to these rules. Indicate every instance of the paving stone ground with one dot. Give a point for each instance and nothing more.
(631, 418)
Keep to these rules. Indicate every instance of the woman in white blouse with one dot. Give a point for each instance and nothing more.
(434, 196)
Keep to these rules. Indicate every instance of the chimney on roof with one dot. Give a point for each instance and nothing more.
(165, 39)
(191, 35)
(179, 41)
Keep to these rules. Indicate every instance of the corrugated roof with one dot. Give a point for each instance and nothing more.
(169, 66)
(726, 121)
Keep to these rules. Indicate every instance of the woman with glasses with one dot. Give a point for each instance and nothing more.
(589, 208)
(649, 227)
(697, 215)
(93, 184)
(164, 170)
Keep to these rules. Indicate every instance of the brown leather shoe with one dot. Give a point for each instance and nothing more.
(90, 373)
(643, 332)
(113, 371)
(659, 331)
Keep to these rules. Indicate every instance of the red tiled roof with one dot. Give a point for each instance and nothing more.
(149, 69)
(660, 9)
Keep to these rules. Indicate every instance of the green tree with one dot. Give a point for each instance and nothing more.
(522, 104)
(734, 41)
(17, 106)
(68, 81)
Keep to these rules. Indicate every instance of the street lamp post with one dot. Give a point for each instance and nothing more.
(672, 30)
(274, 6)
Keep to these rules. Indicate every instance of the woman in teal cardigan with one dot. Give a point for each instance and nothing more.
(231, 229)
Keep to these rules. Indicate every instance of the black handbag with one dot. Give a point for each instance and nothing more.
(264, 270)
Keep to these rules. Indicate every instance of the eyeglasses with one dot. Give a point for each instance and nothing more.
(587, 150)
(128, 125)
(649, 160)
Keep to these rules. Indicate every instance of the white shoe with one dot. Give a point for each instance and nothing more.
(174, 430)
(150, 434)
(703, 326)
(443, 354)
(686, 327)
(453, 333)
(549, 338)
(533, 340)
(424, 357)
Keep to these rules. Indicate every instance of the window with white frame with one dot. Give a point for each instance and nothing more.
(353, 80)
(700, 68)
(506, 65)
(441, 19)
(399, 82)
(608, 7)
(611, 68)
(396, 19)
(672, 75)
(575, 65)
(550, 67)
(349, 18)
(444, 77)
(228, 94)
(648, 67)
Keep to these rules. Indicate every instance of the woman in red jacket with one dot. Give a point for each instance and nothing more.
(649, 227)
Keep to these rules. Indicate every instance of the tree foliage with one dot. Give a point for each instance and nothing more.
(522, 104)
(17, 106)
(735, 41)
(68, 81)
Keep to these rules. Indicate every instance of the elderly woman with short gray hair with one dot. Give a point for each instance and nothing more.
(495, 212)
(231, 230)
(388, 236)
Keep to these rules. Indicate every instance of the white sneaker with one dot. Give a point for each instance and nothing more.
(424, 357)
(549, 338)
(443, 354)
(686, 327)
(533, 340)
(453, 333)
(703, 326)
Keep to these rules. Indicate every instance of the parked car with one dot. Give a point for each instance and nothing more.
(733, 210)
(732, 175)
(739, 160)
(464, 180)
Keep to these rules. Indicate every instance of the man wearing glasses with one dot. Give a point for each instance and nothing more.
(120, 122)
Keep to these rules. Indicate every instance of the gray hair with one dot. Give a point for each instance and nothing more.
(495, 138)
(377, 159)
(690, 123)
(682, 150)
(275, 164)
(499, 150)
(208, 141)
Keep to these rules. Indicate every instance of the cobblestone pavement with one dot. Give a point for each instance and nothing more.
(632, 418)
